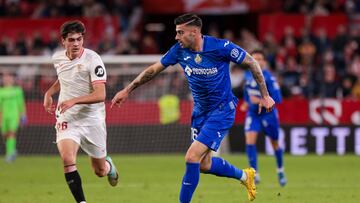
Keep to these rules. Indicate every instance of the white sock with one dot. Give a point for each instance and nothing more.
(244, 176)
(280, 170)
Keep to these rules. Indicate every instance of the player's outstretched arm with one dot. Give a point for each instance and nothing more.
(48, 101)
(266, 101)
(146, 75)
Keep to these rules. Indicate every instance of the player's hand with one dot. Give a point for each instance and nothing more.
(23, 120)
(119, 98)
(66, 105)
(267, 102)
(48, 104)
(244, 107)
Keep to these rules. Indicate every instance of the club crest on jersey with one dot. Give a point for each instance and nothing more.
(198, 58)
(188, 70)
(99, 71)
(79, 67)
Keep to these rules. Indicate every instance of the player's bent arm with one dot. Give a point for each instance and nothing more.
(55, 88)
(146, 75)
(257, 74)
(98, 95)
(48, 101)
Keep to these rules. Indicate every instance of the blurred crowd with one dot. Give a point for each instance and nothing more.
(126, 41)
(311, 65)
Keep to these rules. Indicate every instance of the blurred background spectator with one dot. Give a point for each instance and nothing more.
(310, 58)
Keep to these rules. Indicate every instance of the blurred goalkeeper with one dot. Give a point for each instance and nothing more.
(205, 61)
(80, 113)
(256, 122)
(13, 113)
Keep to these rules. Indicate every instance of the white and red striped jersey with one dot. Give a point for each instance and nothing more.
(76, 78)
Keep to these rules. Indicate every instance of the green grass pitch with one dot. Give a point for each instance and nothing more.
(157, 178)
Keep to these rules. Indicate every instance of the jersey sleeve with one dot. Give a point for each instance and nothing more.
(233, 52)
(170, 57)
(97, 70)
(273, 88)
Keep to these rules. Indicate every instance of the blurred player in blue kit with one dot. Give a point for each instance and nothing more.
(205, 61)
(256, 121)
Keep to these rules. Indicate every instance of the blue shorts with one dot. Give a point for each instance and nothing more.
(266, 122)
(210, 128)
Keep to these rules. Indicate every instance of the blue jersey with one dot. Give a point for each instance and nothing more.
(207, 71)
(252, 89)
(266, 122)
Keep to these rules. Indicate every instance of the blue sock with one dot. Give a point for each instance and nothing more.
(189, 182)
(220, 167)
(252, 155)
(279, 157)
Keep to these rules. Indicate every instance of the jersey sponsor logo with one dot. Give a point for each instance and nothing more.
(226, 43)
(198, 58)
(201, 71)
(188, 70)
(234, 53)
(99, 71)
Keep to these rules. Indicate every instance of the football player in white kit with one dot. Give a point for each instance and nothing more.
(80, 112)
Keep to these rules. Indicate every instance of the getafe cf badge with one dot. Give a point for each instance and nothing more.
(198, 58)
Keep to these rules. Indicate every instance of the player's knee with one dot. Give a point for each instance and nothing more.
(275, 144)
(68, 159)
(191, 157)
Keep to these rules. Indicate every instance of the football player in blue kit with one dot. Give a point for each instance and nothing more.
(268, 122)
(205, 61)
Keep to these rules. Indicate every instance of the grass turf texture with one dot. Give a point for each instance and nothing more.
(157, 178)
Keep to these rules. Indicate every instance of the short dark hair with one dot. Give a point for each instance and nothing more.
(190, 19)
(258, 51)
(75, 26)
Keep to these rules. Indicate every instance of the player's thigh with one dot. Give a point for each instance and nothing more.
(93, 140)
(68, 141)
(216, 127)
(271, 126)
(8, 125)
(13, 124)
(252, 123)
(68, 149)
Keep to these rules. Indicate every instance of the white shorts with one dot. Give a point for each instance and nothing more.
(92, 139)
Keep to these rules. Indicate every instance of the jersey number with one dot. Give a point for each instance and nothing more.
(62, 126)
